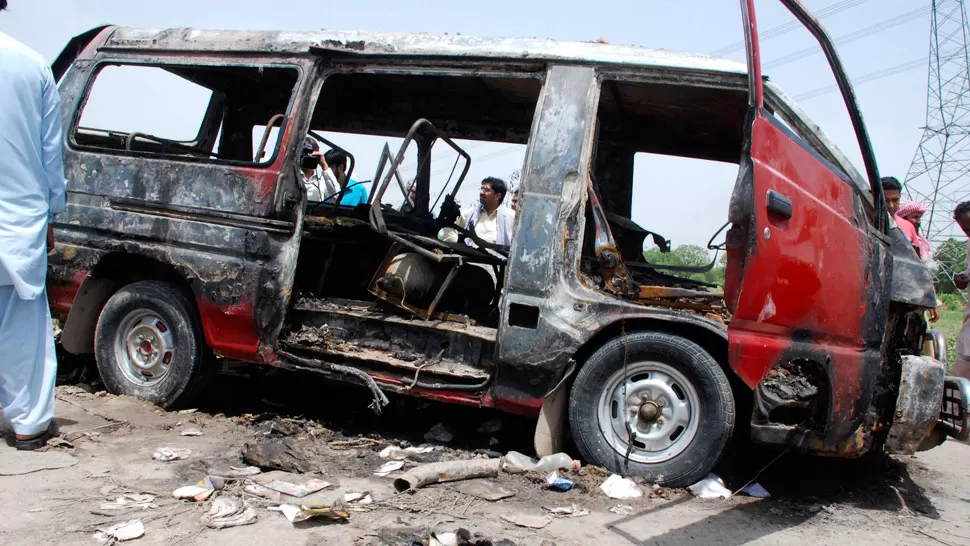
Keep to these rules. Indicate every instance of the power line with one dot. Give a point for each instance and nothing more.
(872, 76)
(851, 37)
(785, 28)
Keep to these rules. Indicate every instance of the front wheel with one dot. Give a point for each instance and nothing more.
(148, 344)
(654, 405)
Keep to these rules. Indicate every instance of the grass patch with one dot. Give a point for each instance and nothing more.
(949, 324)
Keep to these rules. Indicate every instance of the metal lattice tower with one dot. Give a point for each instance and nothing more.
(940, 173)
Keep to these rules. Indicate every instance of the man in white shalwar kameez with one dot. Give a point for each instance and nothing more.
(32, 190)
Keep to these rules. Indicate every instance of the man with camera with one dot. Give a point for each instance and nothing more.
(318, 184)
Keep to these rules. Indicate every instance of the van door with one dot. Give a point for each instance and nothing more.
(807, 277)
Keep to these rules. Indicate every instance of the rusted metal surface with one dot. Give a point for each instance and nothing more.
(918, 405)
(955, 413)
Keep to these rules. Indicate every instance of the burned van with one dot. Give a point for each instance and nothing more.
(194, 243)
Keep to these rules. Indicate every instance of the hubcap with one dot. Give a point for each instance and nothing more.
(144, 347)
(655, 406)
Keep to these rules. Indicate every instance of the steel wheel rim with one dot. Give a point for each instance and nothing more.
(144, 347)
(658, 402)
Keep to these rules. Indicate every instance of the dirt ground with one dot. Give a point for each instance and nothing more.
(59, 496)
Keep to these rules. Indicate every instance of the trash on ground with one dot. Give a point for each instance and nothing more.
(295, 513)
(443, 539)
(166, 454)
(276, 454)
(142, 502)
(525, 520)
(571, 511)
(298, 491)
(261, 491)
(229, 512)
(237, 472)
(485, 491)
(122, 532)
(447, 471)
(56, 442)
(194, 431)
(515, 463)
(440, 433)
(388, 467)
(756, 490)
(617, 487)
(188, 411)
(358, 499)
(201, 491)
(558, 484)
(657, 491)
(399, 454)
(622, 509)
(711, 487)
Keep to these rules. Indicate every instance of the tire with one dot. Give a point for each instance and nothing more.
(148, 344)
(684, 427)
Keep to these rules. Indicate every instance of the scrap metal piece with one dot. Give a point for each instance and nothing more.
(918, 404)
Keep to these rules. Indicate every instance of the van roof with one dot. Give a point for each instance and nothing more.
(412, 44)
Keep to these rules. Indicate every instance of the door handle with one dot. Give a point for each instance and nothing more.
(779, 205)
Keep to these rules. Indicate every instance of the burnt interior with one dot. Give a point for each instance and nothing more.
(703, 122)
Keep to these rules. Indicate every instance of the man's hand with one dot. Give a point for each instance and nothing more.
(934, 315)
(323, 161)
(961, 280)
(50, 239)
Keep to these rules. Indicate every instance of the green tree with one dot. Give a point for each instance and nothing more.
(689, 256)
(951, 257)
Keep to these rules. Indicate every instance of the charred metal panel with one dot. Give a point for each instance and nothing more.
(912, 282)
(918, 404)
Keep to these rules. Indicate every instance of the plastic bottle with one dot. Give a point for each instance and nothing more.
(516, 463)
(557, 461)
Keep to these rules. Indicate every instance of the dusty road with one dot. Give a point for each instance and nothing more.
(63, 495)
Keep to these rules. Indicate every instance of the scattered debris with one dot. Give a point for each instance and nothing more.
(440, 433)
(276, 454)
(168, 454)
(227, 511)
(447, 471)
(296, 513)
(657, 491)
(485, 490)
(237, 472)
(516, 463)
(357, 443)
(388, 467)
(122, 532)
(622, 509)
(261, 491)
(756, 490)
(188, 411)
(558, 484)
(193, 431)
(571, 511)
(357, 501)
(202, 491)
(711, 487)
(399, 454)
(130, 501)
(525, 520)
(617, 487)
(57, 442)
(491, 426)
(298, 491)
(443, 539)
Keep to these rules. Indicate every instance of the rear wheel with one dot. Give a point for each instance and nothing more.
(149, 344)
(654, 405)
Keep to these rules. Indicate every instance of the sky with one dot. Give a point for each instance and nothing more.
(685, 200)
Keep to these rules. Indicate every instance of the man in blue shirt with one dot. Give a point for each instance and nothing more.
(32, 191)
(355, 193)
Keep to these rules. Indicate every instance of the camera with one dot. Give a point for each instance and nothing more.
(307, 160)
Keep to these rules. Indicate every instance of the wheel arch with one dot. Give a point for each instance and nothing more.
(113, 272)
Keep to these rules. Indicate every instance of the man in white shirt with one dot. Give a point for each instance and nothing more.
(32, 191)
(490, 219)
(319, 186)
